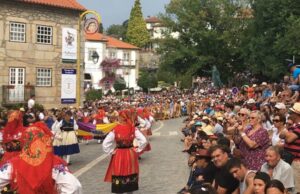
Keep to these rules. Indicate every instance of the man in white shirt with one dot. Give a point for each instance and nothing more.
(31, 102)
(277, 168)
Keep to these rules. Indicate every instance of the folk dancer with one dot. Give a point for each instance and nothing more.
(69, 143)
(143, 125)
(36, 169)
(123, 169)
(12, 133)
(99, 118)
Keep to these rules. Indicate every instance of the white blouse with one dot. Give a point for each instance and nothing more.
(66, 182)
(108, 143)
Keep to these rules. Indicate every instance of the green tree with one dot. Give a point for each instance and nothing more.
(270, 37)
(120, 84)
(118, 31)
(210, 33)
(147, 79)
(137, 33)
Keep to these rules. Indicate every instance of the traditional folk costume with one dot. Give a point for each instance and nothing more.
(36, 170)
(144, 126)
(86, 120)
(177, 108)
(123, 169)
(166, 109)
(68, 140)
(12, 133)
(149, 119)
(99, 118)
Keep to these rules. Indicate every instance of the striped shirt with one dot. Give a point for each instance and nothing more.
(294, 147)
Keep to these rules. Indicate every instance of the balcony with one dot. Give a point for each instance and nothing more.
(13, 94)
(128, 63)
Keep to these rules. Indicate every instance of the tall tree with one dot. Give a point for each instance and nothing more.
(272, 36)
(118, 31)
(137, 33)
(209, 34)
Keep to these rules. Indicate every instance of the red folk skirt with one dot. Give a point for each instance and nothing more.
(123, 170)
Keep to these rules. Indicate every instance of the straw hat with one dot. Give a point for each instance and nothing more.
(220, 118)
(205, 118)
(296, 108)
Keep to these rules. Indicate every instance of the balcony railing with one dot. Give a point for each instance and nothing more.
(128, 63)
(12, 94)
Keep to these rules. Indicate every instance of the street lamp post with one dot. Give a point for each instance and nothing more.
(78, 94)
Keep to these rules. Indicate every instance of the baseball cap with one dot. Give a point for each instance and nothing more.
(280, 105)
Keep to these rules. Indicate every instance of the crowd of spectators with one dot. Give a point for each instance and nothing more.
(244, 140)
(238, 140)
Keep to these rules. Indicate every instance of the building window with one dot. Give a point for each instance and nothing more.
(17, 32)
(44, 35)
(43, 77)
(16, 76)
(91, 50)
(126, 56)
(112, 55)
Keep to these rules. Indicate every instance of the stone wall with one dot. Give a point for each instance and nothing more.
(31, 55)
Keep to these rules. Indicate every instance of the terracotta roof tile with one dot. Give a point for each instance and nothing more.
(67, 4)
(152, 19)
(111, 42)
(95, 37)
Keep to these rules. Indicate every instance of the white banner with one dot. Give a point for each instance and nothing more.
(69, 44)
(68, 86)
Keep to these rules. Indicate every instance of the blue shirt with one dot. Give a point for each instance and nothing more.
(296, 73)
(266, 93)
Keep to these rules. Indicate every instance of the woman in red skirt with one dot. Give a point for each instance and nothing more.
(123, 169)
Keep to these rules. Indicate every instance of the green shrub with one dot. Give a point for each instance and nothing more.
(119, 86)
(93, 94)
(38, 107)
(16, 106)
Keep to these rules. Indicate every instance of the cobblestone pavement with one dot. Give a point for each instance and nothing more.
(163, 170)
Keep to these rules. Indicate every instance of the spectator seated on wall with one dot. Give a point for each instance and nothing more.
(294, 82)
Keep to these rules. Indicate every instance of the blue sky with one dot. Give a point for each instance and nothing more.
(117, 11)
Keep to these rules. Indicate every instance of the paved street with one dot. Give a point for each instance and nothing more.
(163, 170)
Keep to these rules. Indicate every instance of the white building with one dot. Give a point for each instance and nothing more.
(157, 31)
(106, 47)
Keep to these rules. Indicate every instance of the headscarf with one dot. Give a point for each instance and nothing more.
(14, 127)
(12, 133)
(129, 116)
(32, 169)
(100, 115)
(140, 113)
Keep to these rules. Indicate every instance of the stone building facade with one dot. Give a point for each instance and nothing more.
(31, 50)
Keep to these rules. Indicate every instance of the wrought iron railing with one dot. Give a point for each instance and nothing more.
(16, 93)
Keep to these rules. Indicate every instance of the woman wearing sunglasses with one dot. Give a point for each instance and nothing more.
(254, 142)
(279, 123)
